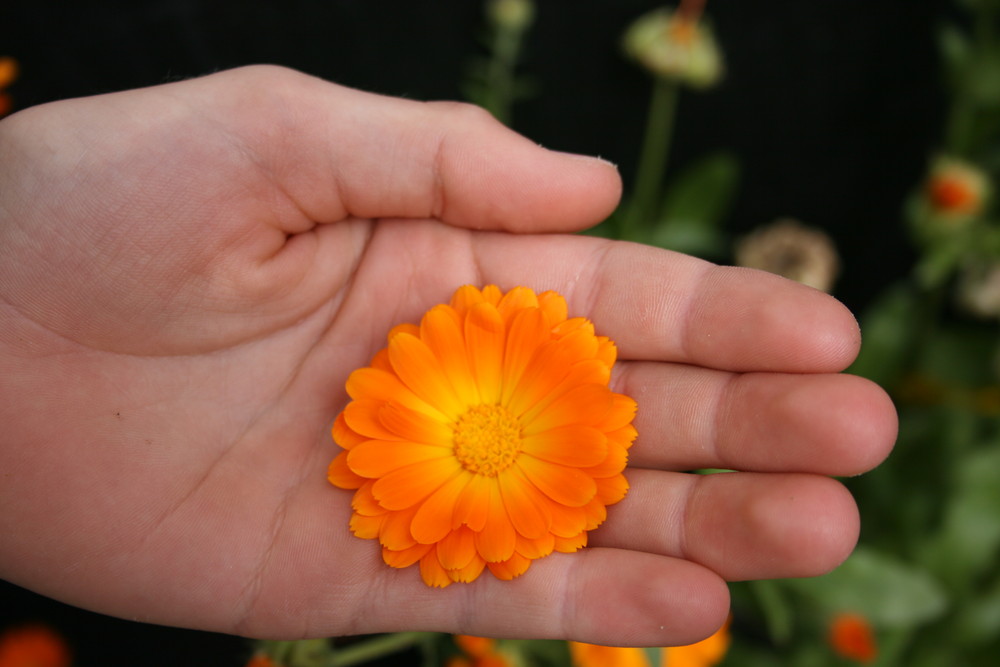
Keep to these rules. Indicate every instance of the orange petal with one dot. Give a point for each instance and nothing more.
(515, 301)
(432, 573)
(404, 328)
(408, 486)
(612, 465)
(554, 306)
(441, 329)
(361, 416)
(576, 325)
(405, 557)
(568, 545)
(610, 490)
(526, 334)
(514, 566)
(568, 486)
(395, 531)
(574, 445)
(432, 521)
(464, 298)
(381, 361)
(484, 340)
(596, 513)
(377, 458)
(567, 521)
(414, 426)
(420, 370)
(492, 294)
(495, 543)
(457, 549)
(364, 502)
(366, 527)
(584, 404)
(550, 375)
(340, 475)
(343, 435)
(623, 436)
(472, 506)
(621, 414)
(470, 572)
(607, 351)
(535, 548)
(526, 507)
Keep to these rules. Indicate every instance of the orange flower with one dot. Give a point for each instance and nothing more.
(485, 437)
(705, 653)
(261, 660)
(956, 189)
(33, 646)
(851, 636)
(8, 74)
(595, 655)
(479, 652)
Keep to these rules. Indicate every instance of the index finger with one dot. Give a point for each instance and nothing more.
(663, 306)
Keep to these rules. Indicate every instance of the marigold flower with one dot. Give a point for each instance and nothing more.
(851, 636)
(956, 188)
(595, 655)
(480, 652)
(8, 74)
(484, 437)
(33, 646)
(707, 652)
(261, 660)
(672, 45)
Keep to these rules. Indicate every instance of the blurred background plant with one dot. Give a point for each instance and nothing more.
(923, 586)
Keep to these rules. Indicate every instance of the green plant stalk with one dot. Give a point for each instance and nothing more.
(377, 647)
(500, 73)
(652, 160)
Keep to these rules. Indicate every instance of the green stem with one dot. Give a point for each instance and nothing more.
(652, 159)
(500, 73)
(377, 647)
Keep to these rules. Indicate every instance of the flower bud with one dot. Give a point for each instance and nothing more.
(511, 15)
(675, 47)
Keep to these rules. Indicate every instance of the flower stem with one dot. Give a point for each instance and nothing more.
(652, 159)
(377, 647)
(500, 73)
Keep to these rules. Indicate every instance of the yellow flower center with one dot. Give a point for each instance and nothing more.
(487, 439)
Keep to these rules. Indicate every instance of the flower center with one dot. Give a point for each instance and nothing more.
(487, 439)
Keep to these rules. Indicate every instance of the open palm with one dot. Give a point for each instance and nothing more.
(188, 273)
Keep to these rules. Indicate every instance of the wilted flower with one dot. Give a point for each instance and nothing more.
(675, 46)
(790, 249)
(485, 437)
(979, 290)
(851, 636)
(8, 74)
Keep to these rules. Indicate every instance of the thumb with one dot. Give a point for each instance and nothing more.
(340, 152)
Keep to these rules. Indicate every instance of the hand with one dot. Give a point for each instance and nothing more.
(189, 272)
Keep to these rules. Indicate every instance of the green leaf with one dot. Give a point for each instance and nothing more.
(778, 612)
(969, 540)
(695, 203)
(654, 656)
(886, 590)
(888, 333)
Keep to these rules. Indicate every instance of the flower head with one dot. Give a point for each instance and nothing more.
(673, 45)
(709, 651)
(8, 74)
(481, 652)
(851, 636)
(484, 437)
(33, 646)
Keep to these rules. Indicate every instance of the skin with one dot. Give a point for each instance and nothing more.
(189, 272)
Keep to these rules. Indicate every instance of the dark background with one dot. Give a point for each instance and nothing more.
(832, 106)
